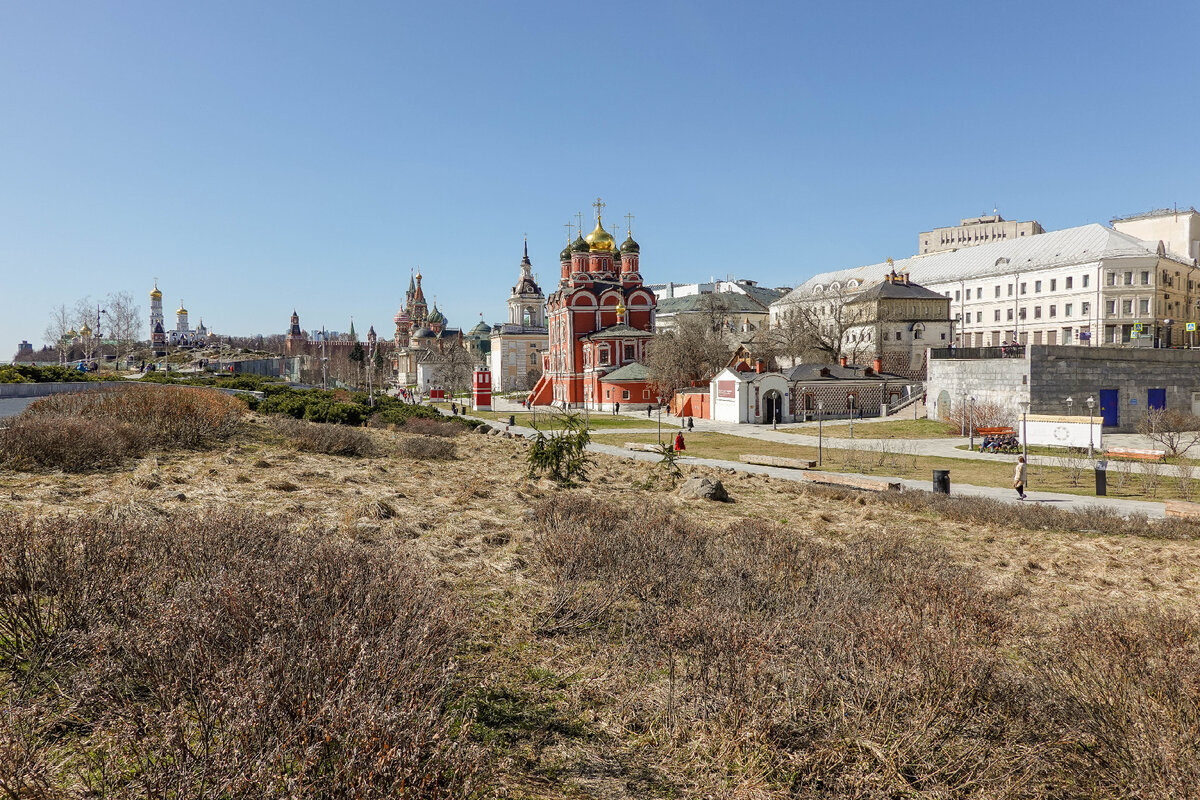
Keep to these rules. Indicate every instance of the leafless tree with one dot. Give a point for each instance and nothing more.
(689, 353)
(1174, 430)
(457, 368)
(56, 330)
(124, 320)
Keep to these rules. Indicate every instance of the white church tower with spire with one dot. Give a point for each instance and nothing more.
(518, 344)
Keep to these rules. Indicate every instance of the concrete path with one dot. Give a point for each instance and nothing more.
(1071, 502)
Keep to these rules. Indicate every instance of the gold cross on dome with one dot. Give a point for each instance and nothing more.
(570, 226)
(599, 206)
(579, 222)
(629, 225)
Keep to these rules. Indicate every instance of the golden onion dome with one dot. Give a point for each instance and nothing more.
(155, 294)
(181, 309)
(599, 240)
(85, 330)
(71, 334)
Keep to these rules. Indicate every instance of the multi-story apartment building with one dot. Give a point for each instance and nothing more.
(975, 231)
(1086, 285)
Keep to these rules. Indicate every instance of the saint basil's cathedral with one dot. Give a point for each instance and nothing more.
(600, 320)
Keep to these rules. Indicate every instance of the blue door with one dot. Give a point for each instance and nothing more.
(1109, 407)
(1156, 398)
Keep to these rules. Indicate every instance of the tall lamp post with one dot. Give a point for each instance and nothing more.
(971, 421)
(820, 430)
(851, 398)
(1025, 430)
(1091, 404)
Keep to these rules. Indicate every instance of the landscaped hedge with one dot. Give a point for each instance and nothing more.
(27, 373)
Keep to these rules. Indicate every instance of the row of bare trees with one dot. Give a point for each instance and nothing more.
(117, 318)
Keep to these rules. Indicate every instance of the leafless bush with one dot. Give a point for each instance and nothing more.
(223, 655)
(982, 414)
(71, 444)
(1073, 464)
(1123, 468)
(427, 448)
(434, 427)
(1148, 477)
(169, 416)
(1174, 430)
(875, 669)
(318, 437)
(1186, 472)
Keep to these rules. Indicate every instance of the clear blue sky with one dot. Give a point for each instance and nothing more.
(258, 156)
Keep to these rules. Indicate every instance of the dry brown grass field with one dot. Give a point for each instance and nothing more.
(613, 641)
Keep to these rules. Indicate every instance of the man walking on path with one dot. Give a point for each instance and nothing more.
(1019, 477)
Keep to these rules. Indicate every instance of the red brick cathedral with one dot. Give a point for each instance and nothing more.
(600, 318)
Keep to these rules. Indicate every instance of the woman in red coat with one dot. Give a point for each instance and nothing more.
(679, 446)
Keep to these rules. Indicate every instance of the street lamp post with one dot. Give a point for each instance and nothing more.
(1070, 401)
(851, 399)
(971, 421)
(1091, 404)
(1025, 430)
(820, 430)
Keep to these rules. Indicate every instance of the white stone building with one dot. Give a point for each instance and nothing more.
(518, 344)
(1085, 285)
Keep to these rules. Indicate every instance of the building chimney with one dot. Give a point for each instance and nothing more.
(842, 361)
(759, 366)
(878, 364)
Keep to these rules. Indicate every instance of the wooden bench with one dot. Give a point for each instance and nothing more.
(854, 482)
(1003, 431)
(777, 461)
(1183, 509)
(1134, 454)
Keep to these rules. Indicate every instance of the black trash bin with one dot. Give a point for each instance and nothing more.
(1101, 478)
(941, 481)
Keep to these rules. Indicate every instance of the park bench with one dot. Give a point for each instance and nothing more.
(1002, 431)
(1134, 454)
(777, 461)
(854, 481)
(1182, 509)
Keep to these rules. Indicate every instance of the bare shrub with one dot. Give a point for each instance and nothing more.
(71, 444)
(1148, 477)
(427, 448)
(980, 414)
(1121, 687)
(434, 427)
(877, 668)
(1186, 472)
(319, 437)
(220, 654)
(169, 416)
(1174, 430)
(1123, 468)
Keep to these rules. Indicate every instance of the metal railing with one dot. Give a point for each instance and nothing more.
(1009, 351)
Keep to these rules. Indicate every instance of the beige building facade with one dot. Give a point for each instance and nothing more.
(1177, 229)
(975, 231)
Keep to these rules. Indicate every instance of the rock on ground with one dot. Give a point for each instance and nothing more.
(700, 488)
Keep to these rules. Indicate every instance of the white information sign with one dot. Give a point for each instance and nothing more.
(1046, 429)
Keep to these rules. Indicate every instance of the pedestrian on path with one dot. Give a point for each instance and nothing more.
(679, 445)
(1019, 477)
(616, 409)
(690, 425)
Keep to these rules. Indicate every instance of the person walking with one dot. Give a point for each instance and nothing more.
(616, 409)
(1019, 477)
(679, 445)
(690, 425)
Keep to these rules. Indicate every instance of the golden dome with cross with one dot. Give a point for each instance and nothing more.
(599, 240)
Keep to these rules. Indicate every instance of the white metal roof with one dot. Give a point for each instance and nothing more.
(1082, 245)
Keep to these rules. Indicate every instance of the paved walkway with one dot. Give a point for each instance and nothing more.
(1122, 506)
